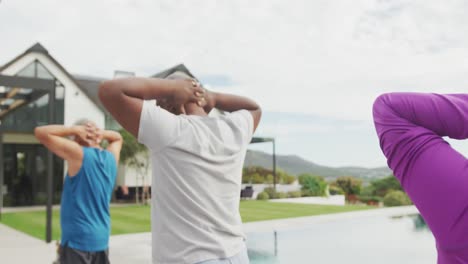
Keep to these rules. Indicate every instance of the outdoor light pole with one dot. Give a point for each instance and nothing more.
(274, 164)
(39, 87)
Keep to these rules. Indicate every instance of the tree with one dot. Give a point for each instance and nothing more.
(130, 149)
(350, 185)
(383, 186)
(256, 174)
(134, 155)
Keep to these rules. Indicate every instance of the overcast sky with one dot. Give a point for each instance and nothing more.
(315, 66)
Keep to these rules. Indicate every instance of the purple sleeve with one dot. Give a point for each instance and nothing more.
(410, 127)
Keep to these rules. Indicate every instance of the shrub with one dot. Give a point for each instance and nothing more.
(313, 185)
(263, 196)
(288, 179)
(335, 190)
(294, 194)
(385, 185)
(255, 174)
(396, 198)
(257, 178)
(281, 195)
(368, 191)
(350, 185)
(271, 192)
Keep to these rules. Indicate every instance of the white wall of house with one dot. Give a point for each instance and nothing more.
(77, 104)
(258, 188)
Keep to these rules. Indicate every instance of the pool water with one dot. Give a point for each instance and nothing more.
(381, 240)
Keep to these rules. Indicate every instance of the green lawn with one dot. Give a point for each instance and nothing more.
(134, 219)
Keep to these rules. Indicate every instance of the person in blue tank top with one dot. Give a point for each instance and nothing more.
(87, 188)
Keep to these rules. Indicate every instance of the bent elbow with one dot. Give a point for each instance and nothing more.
(104, 89)
(108, 90)
(380, 105)
(39, 133)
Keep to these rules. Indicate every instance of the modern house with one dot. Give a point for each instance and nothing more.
(24, 166)
(24, 158)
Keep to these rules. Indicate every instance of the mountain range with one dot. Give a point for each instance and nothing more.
(296, 165)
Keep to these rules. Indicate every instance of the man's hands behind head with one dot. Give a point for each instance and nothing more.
(88, 135)
(186, 91)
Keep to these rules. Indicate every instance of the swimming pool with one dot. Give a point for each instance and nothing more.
(377, 239)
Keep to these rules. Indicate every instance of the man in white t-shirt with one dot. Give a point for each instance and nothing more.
(197, 163)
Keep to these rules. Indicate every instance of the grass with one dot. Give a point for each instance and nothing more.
(261, 210)
(135, 219)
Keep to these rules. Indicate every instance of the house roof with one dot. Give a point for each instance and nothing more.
(90, 86)
(86, 84)
(180, 67)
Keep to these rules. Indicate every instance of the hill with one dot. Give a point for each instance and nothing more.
(296, 165)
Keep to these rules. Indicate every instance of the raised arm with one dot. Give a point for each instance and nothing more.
(407, 123)
(52, 136)
(123, 98)
(115, 143)
(231, 103)
(445, 115)
(410, 127)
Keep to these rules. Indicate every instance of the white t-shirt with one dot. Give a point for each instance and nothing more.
(197, 173)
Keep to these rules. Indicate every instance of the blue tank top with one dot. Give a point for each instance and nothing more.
(84, 213)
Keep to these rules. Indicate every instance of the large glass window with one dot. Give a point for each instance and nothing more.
(26, 164)
(35, 113)
(26, 175)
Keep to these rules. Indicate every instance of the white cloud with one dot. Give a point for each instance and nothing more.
(327, 58)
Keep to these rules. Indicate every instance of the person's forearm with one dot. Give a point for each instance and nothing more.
(229, 102)
(111, 136)
(55, 130)
(142, 88)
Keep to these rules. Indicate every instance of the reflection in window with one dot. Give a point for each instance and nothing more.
(37, 70)
(26, 175)
(35, 113)
(42, 72)
(28, 71)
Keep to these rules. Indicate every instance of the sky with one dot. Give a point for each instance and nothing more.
(315, 66)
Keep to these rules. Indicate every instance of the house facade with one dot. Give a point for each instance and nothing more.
(24, 158)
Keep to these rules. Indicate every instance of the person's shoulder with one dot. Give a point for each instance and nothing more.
(106, 152)
(242, 116)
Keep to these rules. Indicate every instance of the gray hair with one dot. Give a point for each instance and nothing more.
(83, 122)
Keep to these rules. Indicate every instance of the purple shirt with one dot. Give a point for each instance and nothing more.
(410, 127)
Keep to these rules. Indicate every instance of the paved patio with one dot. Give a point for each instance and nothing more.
(16, 247)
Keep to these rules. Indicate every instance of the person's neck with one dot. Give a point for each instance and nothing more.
(94, 146)
(197, 113)
(193, 109)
